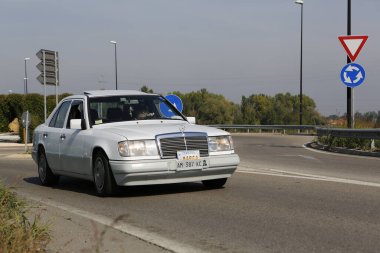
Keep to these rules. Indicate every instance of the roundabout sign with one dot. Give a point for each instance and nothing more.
(352, 75)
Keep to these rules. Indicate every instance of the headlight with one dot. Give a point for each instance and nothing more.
(138, 148)
(220, 143)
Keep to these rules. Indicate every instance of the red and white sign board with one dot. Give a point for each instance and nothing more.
(353, 45)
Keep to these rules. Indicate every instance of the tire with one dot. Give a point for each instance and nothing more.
(214, 183)
(104, 181)
(45, 174)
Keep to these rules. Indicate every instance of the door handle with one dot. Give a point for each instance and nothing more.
(63, 136)
(45, 135)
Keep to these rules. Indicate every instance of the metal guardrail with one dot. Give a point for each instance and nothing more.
(349, 133)
(320, 131)
(306, 128)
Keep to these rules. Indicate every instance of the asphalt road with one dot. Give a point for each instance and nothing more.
(284, 198)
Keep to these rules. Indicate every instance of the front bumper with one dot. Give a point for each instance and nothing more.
(164, 171)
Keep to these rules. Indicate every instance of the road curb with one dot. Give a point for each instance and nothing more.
(326, 148)
(13, 144)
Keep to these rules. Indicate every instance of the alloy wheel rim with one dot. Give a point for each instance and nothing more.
(99, 173)
(42, 168)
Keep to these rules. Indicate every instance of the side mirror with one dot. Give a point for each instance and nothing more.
(79, 124)
(191, 120)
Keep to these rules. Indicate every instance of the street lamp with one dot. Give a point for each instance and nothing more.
(26, 77)
(300, 2)
(115, 43)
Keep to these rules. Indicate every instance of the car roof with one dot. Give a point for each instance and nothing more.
(104, 93)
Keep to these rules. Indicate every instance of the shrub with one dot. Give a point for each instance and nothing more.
(351, 143)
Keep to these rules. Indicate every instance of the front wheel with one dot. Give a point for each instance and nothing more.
(44, 172)
(214, 183)
(104, 181)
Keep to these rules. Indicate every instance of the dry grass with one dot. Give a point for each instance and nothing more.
(17, 233)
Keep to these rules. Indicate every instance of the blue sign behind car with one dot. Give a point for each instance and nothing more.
(176, 101)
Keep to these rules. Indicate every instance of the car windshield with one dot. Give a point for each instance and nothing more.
(128, 108)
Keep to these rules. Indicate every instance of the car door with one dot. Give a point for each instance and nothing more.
(52, 133)
(72, 141)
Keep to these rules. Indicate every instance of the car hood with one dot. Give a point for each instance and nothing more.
(138, 130)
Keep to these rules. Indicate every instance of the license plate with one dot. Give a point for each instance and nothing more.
(190, 160)
(192, 164)
(187, 155)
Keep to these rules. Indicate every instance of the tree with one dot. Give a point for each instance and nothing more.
(257, 109)
(282, 109)
(248, 112)
(285, 109)
(146, 89)
(208, 108)
(378, 119)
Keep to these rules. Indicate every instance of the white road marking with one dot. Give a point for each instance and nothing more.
(288, 174)
(338, 154)
(131, 230)
(308, 157)
(302, 156)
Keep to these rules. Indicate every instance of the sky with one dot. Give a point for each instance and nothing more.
(231, 47)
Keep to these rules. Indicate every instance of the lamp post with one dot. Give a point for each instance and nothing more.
(300, 2)
(26, 77)
(115, 43)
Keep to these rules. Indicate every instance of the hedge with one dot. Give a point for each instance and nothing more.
(13, 105)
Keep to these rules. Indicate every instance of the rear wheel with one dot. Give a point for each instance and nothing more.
(104, 181)
(44, 172)
(214, 183)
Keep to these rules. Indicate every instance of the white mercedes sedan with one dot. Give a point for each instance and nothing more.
(124, 138)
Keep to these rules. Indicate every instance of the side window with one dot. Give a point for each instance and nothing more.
(76, 111)
(52, 121)
(59, 117)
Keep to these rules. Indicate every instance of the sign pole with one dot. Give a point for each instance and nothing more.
(350, 91)
(43, 57)
(301, 113)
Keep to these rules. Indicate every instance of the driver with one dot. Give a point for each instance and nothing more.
(141, 113)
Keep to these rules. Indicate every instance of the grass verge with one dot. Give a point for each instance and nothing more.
(17, 232)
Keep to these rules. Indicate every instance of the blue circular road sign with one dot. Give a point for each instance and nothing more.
(352, 75)
(176, 101)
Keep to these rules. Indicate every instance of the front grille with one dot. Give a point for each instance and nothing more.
(170, 144)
